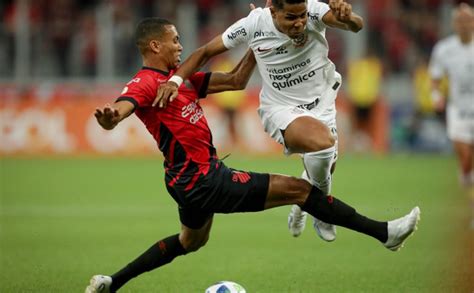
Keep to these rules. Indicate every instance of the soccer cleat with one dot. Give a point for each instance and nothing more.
(296, 220)
(99, 284)
(400, 229)
(325, 231)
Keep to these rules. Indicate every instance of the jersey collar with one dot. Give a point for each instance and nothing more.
(165, 73)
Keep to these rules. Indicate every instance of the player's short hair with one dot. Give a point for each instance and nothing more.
(149, 29)
(278, 4)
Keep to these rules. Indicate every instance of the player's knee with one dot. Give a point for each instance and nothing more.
(301, 189)
(193, 244)
(322, 141)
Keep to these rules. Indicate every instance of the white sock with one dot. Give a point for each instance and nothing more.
(318, 168)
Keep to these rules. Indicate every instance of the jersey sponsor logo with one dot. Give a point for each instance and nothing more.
(125, 89)
(259, 34)
(193, 111)
(289, 82)
(281, 77)
(135, 80)
(313, 16)
(281, 50)
(289, 69)
(240, 177)
(236, 33)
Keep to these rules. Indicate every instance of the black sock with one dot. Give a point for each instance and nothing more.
(161, 253)
(333, 211)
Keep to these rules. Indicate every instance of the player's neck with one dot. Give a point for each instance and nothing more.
(155, 65)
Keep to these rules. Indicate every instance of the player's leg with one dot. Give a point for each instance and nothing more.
(160, 253)
(464, 153)
(317, 142)
(284, 190)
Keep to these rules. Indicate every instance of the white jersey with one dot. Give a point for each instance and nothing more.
(292, 75)
(456, 60)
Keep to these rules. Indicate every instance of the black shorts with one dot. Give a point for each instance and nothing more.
(222, 190)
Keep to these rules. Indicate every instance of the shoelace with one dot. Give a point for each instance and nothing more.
(299, 220)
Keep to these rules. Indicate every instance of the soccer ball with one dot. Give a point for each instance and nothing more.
(225, 287)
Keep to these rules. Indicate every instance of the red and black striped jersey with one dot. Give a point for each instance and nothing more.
(180, 130)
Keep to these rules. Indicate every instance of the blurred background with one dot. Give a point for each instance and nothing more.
(62, 58)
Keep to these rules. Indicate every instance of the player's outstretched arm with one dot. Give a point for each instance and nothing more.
(109, 116)
(341, 16)
(236, 79)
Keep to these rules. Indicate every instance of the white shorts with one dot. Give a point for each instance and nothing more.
(460, 124)
(275, 119)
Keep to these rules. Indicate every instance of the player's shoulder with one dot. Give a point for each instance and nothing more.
(316, 11)
(447, 43)
(259, 16)
(315, 6)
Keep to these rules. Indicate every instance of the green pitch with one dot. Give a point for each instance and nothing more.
(63, 220)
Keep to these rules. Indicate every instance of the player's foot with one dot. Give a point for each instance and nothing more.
(325, 231)
(296, 221)
(99, 284)
(400, 229)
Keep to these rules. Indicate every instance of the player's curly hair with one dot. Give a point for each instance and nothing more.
(149, 29)
(278, 4)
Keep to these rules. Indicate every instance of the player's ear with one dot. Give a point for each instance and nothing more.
(155, 46)
(273, 12)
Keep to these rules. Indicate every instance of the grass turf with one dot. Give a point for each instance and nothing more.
(63, 220)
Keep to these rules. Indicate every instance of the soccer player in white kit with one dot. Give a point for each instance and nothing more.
(454, 57)
(300, 83)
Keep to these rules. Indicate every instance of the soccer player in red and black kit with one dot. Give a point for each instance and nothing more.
(198, 181)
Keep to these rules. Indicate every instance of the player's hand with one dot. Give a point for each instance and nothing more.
(268, 3)
(341, 10)
(167, 92)
(107, 117)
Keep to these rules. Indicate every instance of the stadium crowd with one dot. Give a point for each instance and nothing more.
(64, 44)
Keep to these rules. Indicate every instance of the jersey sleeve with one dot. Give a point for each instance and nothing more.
(436, 66)
(316, 11)
(240, 31)
(200, 82)
(140, 91)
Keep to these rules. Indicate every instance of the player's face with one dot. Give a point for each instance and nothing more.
(171, 48)
(291, 20)
(463, 23)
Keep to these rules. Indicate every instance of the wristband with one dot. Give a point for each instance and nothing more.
(176, 79)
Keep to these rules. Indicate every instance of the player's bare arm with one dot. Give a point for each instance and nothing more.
(236, 79)
(439, 100)
(341, 16)
(109, 116)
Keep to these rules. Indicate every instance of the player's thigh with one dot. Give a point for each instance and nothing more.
(286, 190)
(307, 134)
